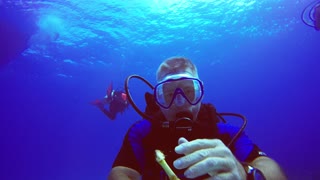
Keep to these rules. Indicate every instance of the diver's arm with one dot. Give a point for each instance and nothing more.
(110, 115)
(269, 168)
(123, 173)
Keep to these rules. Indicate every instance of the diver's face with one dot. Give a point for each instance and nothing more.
(171, 113)
(179, 93)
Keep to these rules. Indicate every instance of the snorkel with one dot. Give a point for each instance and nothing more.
(183, 122)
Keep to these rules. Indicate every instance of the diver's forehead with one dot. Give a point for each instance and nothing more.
(177, 76)
(189, 72)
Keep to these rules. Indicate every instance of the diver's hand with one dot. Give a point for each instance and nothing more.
(208, 156)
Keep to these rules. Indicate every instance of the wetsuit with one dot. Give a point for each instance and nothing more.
(141, 140)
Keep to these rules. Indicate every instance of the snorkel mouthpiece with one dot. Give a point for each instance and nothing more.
(182, 126)
(183, 121)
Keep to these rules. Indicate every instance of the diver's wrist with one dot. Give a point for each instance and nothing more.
(252, 173)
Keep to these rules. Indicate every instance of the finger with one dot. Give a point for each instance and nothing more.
(197, 156)
(221, 176)
(191, 146)
(214, 166)
(182, 140)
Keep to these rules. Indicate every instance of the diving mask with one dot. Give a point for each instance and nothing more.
(178, 89)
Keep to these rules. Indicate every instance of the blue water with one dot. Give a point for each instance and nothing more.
(255, 57)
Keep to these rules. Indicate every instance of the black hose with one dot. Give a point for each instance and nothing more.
(311, 6)
(126, 88)
(244, 124)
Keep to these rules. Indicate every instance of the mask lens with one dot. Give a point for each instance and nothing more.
(189, 88)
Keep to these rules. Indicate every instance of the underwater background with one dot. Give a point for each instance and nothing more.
(255, 57)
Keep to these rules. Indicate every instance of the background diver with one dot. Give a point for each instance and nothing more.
(114, 102)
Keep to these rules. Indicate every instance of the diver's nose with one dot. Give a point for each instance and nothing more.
(179, 100)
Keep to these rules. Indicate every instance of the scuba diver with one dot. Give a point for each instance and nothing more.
(192, 137)
(310, 15)
(115, 99)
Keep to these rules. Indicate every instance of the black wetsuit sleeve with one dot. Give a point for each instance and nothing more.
(126, 156)
(254, 153)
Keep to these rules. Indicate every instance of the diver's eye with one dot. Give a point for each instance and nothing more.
(189, 92)
(168, 94)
